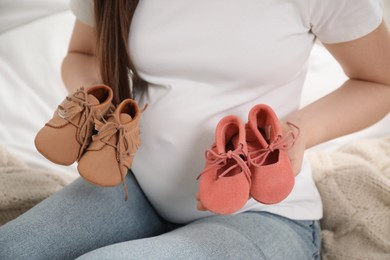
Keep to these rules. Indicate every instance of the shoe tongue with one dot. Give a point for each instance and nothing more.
(93, 100)
(125, 118)
(235, 141)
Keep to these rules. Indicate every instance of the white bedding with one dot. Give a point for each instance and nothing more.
(30, 58)
(32, 45)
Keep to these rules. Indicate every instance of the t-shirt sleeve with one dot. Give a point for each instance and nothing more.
(334, 21)
(83, 10)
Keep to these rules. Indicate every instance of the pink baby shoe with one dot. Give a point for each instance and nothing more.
(225, 181)
(271, 173)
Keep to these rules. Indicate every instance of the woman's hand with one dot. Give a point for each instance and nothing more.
(298, 148)
(199, 204)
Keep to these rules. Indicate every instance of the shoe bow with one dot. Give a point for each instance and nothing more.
(72, 106)
(257, 157)
(221, 159)
(108, 129)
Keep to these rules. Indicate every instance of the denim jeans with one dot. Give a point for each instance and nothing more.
(91, 222)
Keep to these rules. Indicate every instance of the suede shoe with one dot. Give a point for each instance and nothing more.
(65, 137)
(225, 181)
(110, 155)
(272, 174)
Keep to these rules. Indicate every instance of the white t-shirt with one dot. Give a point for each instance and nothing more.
(208, 59)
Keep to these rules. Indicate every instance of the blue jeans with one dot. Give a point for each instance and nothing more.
(91, 222)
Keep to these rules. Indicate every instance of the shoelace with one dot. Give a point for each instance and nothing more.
(106, 130)
(78, 103)
(215, 159)
(280, 143)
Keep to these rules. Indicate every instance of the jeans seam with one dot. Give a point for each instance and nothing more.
(315, 240)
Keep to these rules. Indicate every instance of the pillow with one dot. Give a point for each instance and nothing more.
(18, 12)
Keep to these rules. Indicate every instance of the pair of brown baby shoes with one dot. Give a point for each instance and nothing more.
(86, 127)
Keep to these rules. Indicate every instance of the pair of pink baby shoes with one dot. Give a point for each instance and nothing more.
(247, 161)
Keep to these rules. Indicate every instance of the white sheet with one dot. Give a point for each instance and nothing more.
(31, 52)
(30, 58)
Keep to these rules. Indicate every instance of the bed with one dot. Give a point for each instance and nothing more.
(34, 36)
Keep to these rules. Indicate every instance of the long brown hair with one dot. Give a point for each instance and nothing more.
(112, 23)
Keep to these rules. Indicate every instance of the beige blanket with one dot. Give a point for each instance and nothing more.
(354, 183)
(22, 187)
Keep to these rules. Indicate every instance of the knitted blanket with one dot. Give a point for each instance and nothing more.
(21, 187)
(354, 183)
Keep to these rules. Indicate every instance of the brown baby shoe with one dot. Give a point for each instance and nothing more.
(65, 137)
(110, 155)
